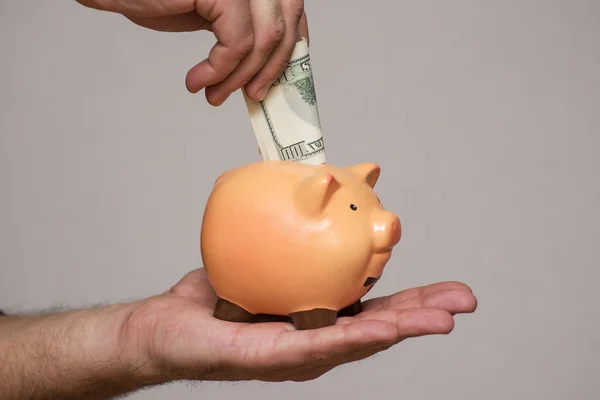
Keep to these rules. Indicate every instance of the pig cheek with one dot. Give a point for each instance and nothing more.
(359, 242)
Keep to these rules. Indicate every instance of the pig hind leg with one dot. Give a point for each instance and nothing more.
(228, 311)
(313, 319)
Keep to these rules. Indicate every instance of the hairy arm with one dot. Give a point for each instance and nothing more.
(75, 354)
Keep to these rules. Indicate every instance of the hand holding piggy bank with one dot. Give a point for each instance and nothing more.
(297, 240)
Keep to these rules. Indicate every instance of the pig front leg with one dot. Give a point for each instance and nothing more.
(322, 317)
(313, 319)
(227, 311)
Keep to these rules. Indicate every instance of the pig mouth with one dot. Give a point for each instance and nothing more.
(370, 281)
(386, 251)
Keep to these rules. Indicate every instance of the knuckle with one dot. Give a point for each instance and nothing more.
(244, 45)
(296, 9)
(275, 32)
(208, 8)
(272, 35)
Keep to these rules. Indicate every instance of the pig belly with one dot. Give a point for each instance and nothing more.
(285, 293)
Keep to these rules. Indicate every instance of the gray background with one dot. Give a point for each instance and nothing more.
(484, 116)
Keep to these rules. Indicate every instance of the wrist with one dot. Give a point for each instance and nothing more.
(125, 358)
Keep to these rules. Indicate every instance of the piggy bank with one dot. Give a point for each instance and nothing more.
(296, 240)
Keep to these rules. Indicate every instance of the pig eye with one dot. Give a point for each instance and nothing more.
(353, 207)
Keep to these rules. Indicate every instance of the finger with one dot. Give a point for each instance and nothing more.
(367, 336)
(269, 28)
(361, 339)
(411, 322)
(309, 375)
(303, 28)
(454, 301)
(385, 302)
(259, 85)
(232, 26)
(187, 22)
(321, 346)
(382, 330)
(142, 8)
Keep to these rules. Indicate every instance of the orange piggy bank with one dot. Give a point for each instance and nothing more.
(296, 240)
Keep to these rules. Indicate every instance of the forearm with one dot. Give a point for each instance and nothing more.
(78, 354)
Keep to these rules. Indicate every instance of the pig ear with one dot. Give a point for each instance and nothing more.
(314, 192)
(367, 171)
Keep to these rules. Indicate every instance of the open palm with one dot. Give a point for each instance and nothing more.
(182, 337)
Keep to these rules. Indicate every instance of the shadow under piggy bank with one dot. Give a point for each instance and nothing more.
(286, 241)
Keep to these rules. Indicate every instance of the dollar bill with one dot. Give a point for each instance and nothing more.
(286, 123)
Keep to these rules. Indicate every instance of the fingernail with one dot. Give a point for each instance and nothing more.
(262, 93)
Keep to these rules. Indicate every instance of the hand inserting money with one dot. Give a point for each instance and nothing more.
(286, 123)
(254, 38)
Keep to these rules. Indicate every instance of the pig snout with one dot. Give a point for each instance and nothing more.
(387, 230)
